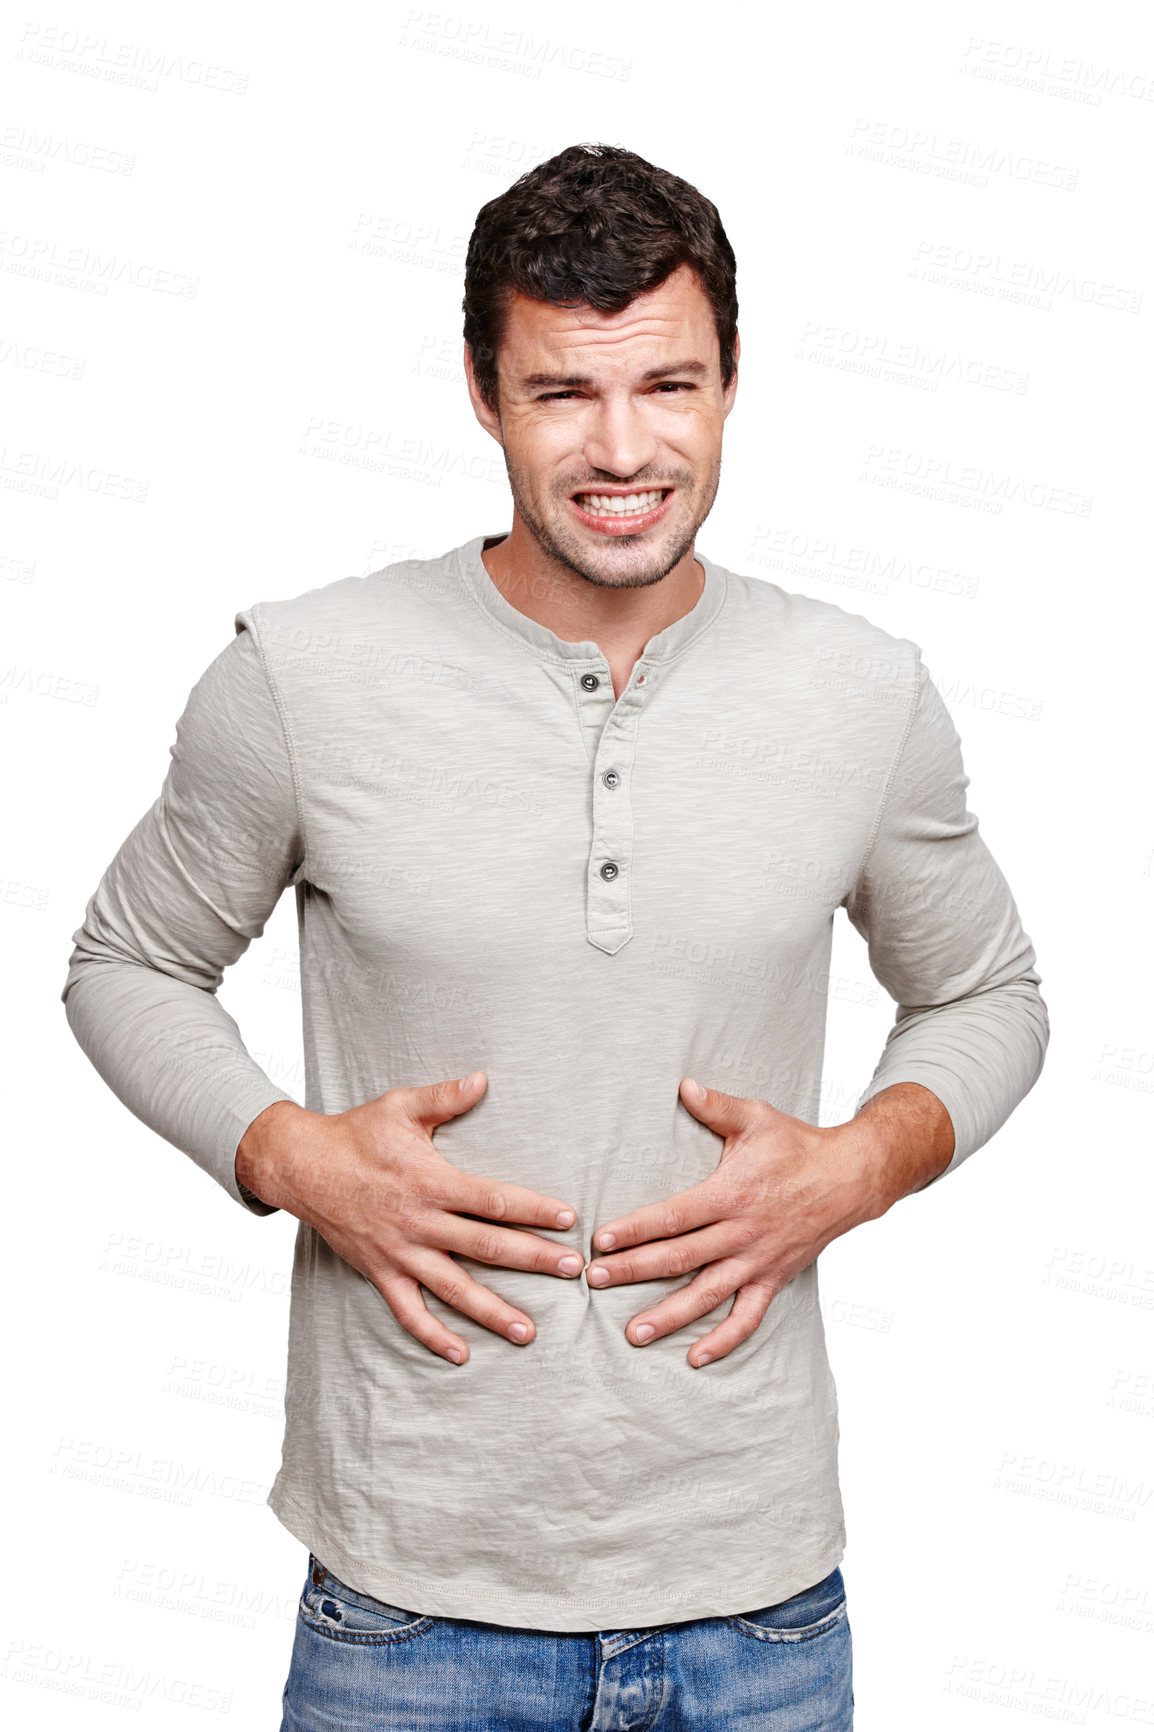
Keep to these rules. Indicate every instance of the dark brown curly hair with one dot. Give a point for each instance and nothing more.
(595, 224)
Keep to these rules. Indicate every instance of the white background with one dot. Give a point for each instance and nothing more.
(229, 371)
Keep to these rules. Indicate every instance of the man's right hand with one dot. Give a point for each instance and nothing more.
(376, 1189)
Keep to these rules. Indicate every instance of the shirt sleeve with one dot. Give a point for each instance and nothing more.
(946, 942)
(189, 889)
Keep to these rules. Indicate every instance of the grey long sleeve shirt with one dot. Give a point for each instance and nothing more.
(499, 866)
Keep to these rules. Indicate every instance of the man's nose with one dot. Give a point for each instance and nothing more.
(618, 440)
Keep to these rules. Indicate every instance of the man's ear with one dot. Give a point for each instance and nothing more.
(489, 421)
(731, 388)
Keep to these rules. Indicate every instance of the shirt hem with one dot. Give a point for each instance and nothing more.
(572, 1612)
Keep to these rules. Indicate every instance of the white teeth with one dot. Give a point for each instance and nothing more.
(619, 504)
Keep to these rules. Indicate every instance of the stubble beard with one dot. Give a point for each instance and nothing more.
(570, 553)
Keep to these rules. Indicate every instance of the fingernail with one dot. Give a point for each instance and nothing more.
(703, 1359)
(565, 1217)
(698, 1091)
(644, 1331)
(598, 1277)
(468, 1082)
(455, 1354)
(518, 1331)
(570, 1265)
(606, 1241)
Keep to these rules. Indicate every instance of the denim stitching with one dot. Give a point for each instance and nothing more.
(362, 1638)
(656, 1680)
(806, 1633)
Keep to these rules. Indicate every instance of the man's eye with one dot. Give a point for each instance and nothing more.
(555, 396)
(675, 385)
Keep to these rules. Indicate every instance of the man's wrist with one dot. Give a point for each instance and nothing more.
(257, 1168)
(904, 1138)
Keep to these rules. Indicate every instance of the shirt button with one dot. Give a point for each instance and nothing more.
(590, 682)
(610, 869)
(611, 778)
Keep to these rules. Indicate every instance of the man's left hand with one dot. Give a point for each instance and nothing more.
(782, 1190)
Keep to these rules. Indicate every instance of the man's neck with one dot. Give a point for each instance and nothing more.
(619, 621)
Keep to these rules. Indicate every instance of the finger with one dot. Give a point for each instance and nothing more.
(457, 1289)
(711, 1287)
(506, 1246)
(493, 1200)
(433, 1103)
(745, 1315)
(663, 1257)
(405, 1300)
(700, 1206)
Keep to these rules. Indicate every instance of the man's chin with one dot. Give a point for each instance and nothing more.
(625, 562)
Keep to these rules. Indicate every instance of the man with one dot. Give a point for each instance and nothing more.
(568, 813)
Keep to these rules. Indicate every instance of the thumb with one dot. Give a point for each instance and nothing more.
(433, 1103)
(726, 1114)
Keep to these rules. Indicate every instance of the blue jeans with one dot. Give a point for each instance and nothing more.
(358, 1665)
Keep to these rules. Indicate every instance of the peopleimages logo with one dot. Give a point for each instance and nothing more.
(1022, 281)
(484, 44)
(853, 566)
(1005, 1684)
(940, 477)
(130, 63)
(50, 260)
(1067, 75)
(878, 356)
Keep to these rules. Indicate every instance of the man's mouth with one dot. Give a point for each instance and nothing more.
(623, 513)
(620, 504)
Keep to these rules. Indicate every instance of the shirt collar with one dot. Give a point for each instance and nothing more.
(664, 646)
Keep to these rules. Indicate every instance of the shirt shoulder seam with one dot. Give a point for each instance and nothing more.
(891, 775)
(281, 708)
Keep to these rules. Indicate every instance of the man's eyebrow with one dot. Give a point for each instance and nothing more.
(569, 380)
(577, 381)
(698, 369)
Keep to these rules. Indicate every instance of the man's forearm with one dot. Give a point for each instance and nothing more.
(905, 1138)
(169, 1051)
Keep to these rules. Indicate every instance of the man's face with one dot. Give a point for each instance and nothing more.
(611, 426)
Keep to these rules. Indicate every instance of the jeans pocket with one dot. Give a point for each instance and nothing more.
(331, 1608)
(810, 1613)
